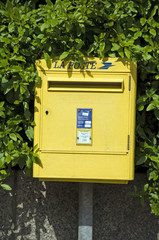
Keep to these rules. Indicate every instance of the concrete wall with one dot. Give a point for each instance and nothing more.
(49, 211)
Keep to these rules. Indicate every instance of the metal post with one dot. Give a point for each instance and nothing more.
(85, 220)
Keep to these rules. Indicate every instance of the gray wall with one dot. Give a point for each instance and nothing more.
(49, 211)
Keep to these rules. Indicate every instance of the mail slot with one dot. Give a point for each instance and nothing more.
(85, 120)
(80, 86)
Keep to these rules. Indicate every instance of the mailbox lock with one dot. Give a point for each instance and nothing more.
(47, 112)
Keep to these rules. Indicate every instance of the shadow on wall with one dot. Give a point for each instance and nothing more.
(38, 210)
(119, 217)
(49, 211)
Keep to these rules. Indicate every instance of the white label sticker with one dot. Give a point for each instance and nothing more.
(88, 122)
(85, 114)
(84, 137)
(87, 125)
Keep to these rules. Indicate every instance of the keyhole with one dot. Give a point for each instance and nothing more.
(47, 112)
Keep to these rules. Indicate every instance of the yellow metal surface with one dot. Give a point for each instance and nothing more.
(86, 180)
(107, 87)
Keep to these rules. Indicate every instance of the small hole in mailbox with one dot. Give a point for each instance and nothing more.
(46, 112)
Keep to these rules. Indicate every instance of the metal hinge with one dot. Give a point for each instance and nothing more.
(129, 83)
(128, 142)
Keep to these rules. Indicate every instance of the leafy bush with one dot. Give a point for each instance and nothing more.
(74, 29)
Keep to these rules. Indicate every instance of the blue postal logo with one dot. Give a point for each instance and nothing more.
(106, 66)
(87, 65)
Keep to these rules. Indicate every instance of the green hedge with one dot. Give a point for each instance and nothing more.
(72, 29)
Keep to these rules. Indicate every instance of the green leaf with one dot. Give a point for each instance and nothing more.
(8, 159)
(146, 56)
(137, 34)
(18, 58)
(155, 196)
(15, 68)
(80, 43)
(2, 27)
(45, 26)
(4, 80)
(29, 162)
(146, 187)
(11, 27)
(19, 137)
(37, 160)
(3, 63)
(153, 12)
(153, 31)
(112, 55)
(21, 162)
(115, 47)
(2, 162)
(154, 159)
(41, 36)
(10, 145)
(23, 89)
(13, 136)
(5, 40)
(2, 114)
(64, 55)
(141, 132)
(29, 132)
(127, 52)
(47, 59)
(102, 47)
(121, 53)
(27, 113)
(49, 3)
(141, 160)
(54, 22)
(3, 172)
(26, 105)
(141, 107)
(150, 107)
(156, 111)
(143, 21)
(5, 140)
(6, 187)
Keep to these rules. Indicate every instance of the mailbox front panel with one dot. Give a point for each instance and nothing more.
(84, 123)
(109, 120)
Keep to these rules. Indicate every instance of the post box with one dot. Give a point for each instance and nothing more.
(85, 120)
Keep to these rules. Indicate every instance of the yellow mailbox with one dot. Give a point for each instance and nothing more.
(85, 120)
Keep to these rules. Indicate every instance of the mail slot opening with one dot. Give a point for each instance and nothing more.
(80, 86)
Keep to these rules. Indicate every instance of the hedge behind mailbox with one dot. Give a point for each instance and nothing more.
(85, 120)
